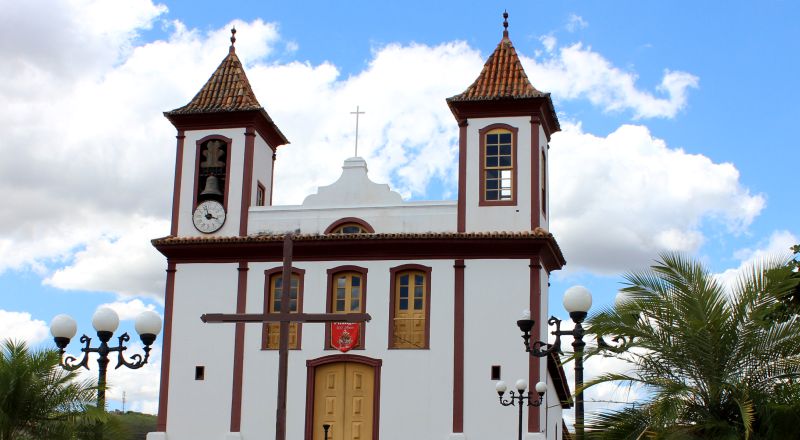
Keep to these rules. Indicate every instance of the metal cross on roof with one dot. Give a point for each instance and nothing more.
(357, 113)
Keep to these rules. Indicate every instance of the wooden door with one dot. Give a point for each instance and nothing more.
(344, 398)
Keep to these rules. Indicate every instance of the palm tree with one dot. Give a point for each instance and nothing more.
(38, 399)
(713, 363)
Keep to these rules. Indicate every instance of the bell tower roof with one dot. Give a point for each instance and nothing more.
(502, 79)
(227, 91)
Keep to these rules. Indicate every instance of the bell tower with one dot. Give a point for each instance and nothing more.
(225, 154)
(505, 127)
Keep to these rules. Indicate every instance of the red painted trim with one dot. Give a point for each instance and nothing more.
(268, 274)
(462, 176)
(534, 363)
(238, 350)
(541, 107)
(514, 168)
(362, 247)
(329, 302)
(176, 191)
(312, 365)
(166, 348)
(237, 119)
(535, 167)
(458, 348)
(247, 179)
(393, 273)
(346, 220)
(228, 155)
(272, 178)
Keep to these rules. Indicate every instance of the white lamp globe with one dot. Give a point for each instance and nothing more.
(501, 387)
(577, 299)
(521, 385)
(541, 387)
(622, 298)
(148, 323)
(63, 326)
(105, 320)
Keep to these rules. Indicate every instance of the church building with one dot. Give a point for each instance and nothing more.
(399, 316)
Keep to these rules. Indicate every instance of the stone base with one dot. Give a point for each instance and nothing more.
(535, 436)
(457, 436)
(156, 436)
(233, 436)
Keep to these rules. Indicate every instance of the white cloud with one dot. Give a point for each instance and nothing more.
(624, 197)
(21, 326)
(576, 72)
(126, 264)
(129, 310)
(549, 42)
(576, 22)
(776, 247)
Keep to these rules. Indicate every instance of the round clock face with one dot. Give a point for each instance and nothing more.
(209, 216)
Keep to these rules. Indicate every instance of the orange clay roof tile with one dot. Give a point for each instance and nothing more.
(502, 77)
(227, 90)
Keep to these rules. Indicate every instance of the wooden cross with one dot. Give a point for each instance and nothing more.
(357, 113)
(284, 318)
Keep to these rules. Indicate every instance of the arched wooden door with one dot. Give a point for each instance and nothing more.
(344, 394)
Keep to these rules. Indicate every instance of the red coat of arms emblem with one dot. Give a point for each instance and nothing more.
(344, 335)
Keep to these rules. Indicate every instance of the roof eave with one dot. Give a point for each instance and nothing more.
(258, 118)
(539, 106)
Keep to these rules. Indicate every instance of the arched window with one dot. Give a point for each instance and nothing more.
(349, 225)
(409, 316)
(347, 293)
(274, 289)
(498, 165)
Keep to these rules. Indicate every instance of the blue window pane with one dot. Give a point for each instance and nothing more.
(403, 292)
(505, 150)
(403, 304)
(491, 138)
(418, 292)
(491, 161)
(404, 280)
(491, 184)
(505, 161)
(293, 305)
(355, 293)
(505, 138)
(419, 280)
(417, 304)
(278, 282)
(356, 281)
(491, 150)
(340, 282)
(491, 195)
(354, 306)
(492, 174)
(339, 293)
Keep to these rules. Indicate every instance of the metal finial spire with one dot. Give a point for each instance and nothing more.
(505, 24)
(233, 37)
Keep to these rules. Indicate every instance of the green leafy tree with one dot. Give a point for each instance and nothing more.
(714, 364)
(39, 400)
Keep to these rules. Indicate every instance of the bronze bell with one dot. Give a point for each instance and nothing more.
(212, 187)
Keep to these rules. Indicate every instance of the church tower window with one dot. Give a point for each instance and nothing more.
(498, 174)
(409, 314)
(347, 293)
(212, 169)
(271, 331)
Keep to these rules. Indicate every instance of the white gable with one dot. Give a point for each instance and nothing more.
(354, 188)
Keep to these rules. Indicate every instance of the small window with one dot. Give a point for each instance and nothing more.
(261, 192)
(544, 183)
(410, 307)
(350, 225)
(199, 372)
(271, 336)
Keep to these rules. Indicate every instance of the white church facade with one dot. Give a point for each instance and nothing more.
(442, 281)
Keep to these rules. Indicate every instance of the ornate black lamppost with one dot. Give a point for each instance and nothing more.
(520, 397)
(105, 321)
(577, 301)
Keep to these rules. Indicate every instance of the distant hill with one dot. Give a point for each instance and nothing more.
(135, 425)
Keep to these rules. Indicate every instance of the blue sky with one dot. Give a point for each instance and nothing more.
(679, 129)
